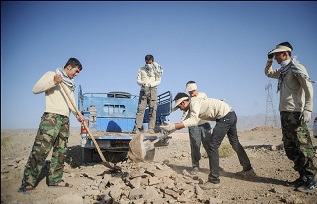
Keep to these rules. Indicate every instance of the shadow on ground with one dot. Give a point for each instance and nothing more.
(223, 173)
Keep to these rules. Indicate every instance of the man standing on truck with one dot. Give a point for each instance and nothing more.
(197, 134)
(149, 77)
(53, 130)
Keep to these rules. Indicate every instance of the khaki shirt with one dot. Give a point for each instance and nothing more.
(154, 80)
(56, 99)
(199, 95)
(206, 109)
(296, 93)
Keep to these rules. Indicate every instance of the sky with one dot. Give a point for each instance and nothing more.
(222, 46)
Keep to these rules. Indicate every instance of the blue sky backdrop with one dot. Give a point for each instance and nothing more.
(221, 45)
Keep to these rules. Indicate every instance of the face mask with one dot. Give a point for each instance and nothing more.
(149, 66)
(284, 63)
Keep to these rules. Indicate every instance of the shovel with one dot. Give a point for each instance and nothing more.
(107, 164)
(150, 146)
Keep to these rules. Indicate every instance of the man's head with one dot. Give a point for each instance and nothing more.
(182, 102)
(282, 52)
(191, 88)
(149, 59)
(72, 67)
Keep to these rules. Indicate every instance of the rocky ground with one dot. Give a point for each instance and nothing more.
(165, 180)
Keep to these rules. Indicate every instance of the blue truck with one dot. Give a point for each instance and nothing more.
(110, 117)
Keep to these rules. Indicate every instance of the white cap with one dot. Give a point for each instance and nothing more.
(177, 102)
(191, 87)
(281, 48)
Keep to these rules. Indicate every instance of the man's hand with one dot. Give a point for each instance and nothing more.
(80, 117)
(270, 56)
(306, 115)
(168, 126)
(58, 79)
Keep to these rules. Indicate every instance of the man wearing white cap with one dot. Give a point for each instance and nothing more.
(211, 109)
(197, 134)
(296, 104)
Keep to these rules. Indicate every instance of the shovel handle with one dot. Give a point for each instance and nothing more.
(85, 125)
(163, 137)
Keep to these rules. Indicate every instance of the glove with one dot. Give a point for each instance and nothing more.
(306, 116)
(168, 126)
(270, 56)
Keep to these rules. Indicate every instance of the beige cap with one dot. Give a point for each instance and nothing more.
(177, 102)
(281, 48)
(191, 87)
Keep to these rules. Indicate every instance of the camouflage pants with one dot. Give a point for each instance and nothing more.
(298, 144)
(53, 132)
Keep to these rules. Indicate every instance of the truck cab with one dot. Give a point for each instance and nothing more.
(110, 117)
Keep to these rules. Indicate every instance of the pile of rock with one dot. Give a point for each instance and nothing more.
(147, 183)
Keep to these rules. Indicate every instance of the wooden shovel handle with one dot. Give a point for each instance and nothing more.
(163, 137)
(85, 125)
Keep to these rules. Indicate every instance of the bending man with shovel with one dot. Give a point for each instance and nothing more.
(53, 130)
(226, 120)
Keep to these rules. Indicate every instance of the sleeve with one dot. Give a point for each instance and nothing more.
(193, 119)
(269, 72)
(139, 78)
(309, 91)
(45, 83)
(185, 113)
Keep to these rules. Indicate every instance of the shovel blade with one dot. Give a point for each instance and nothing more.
(149, 150)
(149, 156)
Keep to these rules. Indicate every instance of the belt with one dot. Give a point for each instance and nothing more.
(225, 115)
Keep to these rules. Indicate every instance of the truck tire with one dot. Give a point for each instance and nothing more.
(87, 155)
(115, 157)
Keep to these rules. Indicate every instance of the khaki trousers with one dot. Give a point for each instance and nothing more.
(149, 98)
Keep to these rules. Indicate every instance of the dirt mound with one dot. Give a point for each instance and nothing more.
(165, 180)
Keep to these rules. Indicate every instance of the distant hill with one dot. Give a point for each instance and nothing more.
(249, 122)
(244, 123)
(252, 121)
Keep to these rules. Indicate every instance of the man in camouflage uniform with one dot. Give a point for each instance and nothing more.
(296, 102)
(53, 130)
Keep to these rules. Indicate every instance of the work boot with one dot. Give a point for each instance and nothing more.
(309, 185)
(247, 174)
(194, 171)
(151, 131)
(210, 185)
(298, 182)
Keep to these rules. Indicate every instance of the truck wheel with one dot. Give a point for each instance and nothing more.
(87, 155)
(115, 157)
